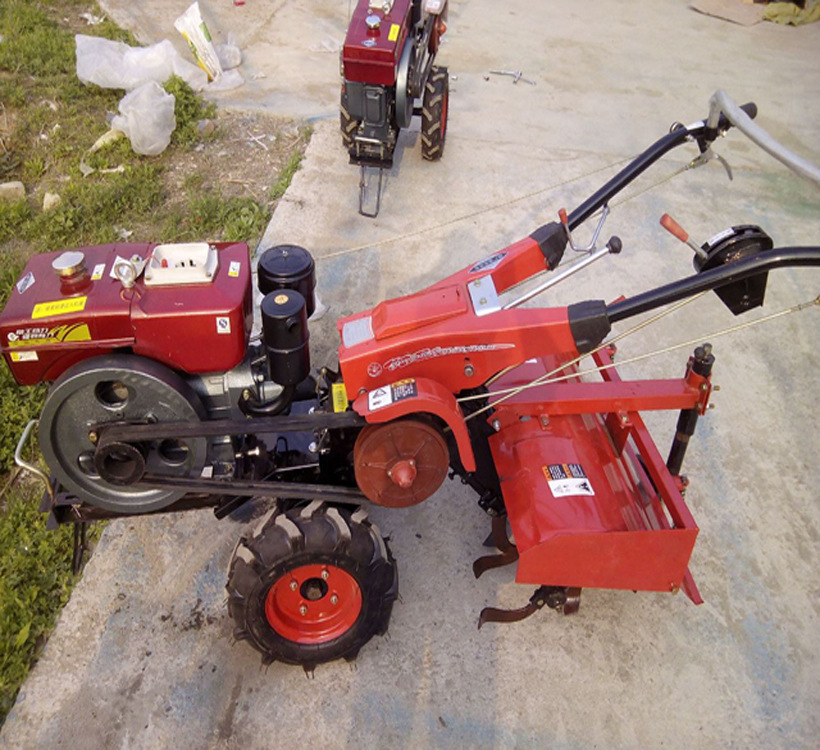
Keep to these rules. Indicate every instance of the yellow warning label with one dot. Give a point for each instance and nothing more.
(339, 396)
(44, 336)
(394, 32)
(58, 307)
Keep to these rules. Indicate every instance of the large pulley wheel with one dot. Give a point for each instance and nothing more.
(311, 585)
(119, 388)
(404, 91)
(434, 113)
(400, 463)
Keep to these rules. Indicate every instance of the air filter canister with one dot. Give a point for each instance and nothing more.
(288, 267)
(285, 336)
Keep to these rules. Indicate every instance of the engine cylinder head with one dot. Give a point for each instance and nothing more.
(288, 267)
(285, 336)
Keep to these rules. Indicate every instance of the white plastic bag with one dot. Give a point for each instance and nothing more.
(147, 118)
(195, 31)
(115, 65)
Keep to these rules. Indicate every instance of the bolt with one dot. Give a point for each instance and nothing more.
(92, 436)
(469, 371)
(412, 462)
(293, 585)
(624, 419)
(496, 425)
(325, 574)
(711, 406)
(390, 472)
(544, 419)
(334, 599)
(313, 447)
(246, 394)
(311, 410)
(715, 387)
(482, 301)
(704, 387)
(303, 610)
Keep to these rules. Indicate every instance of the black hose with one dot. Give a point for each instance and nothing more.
(252, 408)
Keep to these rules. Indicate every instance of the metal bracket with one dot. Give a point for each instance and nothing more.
(363, 190)
(18, 458)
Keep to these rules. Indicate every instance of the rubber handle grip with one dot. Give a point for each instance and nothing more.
(750, 108)
(675, 229)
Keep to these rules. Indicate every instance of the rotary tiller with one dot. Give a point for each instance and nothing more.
(162, 401)
(387, 67)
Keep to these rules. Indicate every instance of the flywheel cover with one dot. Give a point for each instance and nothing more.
(117, 388)
(400, 463)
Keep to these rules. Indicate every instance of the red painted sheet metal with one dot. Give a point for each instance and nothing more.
(372, 55)
(611, 532)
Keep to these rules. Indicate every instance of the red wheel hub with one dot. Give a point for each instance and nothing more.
(313, 603)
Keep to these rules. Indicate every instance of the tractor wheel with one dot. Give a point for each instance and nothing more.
(311, 584)
(349, 124)
(434, 113)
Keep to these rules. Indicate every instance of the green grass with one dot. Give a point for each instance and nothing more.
(35, 583)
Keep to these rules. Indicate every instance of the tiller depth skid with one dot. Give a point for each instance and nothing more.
(160, 401)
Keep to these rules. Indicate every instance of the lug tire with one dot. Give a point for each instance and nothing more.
(279, 602)
(434, 113)
(348, 124)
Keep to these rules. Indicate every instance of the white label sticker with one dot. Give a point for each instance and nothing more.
(379, 398)
(207, 472)
(26, 282)
(234, 268)
(223, 325)
(567, 487)
(98, 272)
(24, 356)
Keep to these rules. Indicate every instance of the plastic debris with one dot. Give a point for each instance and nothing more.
(195, 31)
(147, 118)
(115, 65)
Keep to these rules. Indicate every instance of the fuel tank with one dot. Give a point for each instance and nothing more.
(374, 42)
(187, 306)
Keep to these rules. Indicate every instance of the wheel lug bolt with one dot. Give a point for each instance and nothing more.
(303, 610)
(334, 599)
(293, 585)
(325, 575)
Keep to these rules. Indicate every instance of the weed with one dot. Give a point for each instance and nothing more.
(188, 110)
(285, 177)
(15, 219)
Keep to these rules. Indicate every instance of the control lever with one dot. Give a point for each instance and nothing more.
(562, 215)
(706, 155)
(675, 229)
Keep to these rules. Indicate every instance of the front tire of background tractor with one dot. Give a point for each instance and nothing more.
(348, 124)
(311, 584)
(434, 113)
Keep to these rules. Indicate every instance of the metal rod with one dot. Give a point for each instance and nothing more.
(18, 458)
(557, 278)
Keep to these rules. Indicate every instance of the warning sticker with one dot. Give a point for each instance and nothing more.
(58, 307)
(98, 272)
(567, 479)
(387, 394)
(234, 268)
(393, 35)
(223, 325)
(339, 393)
(24, 357)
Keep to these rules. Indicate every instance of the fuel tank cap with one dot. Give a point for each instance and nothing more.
(69, 263)
(373, 22)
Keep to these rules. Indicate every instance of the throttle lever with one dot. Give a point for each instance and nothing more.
(676, 230)
(564, 219)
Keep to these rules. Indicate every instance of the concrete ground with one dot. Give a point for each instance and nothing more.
(142, 656)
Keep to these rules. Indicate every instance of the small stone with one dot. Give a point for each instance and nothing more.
(12, 191)
(205, 128)
(51, 201)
